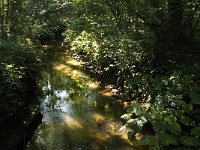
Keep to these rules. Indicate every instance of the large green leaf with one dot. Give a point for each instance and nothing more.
(188, 107)
(195, 97)
(166, 139)
(170, 119)
(136, 128)
(136, 109)
(149, 140)
(126, 116)
(132, 121)
(196, 131)
(159, 124)
(186, 120)
(174, 128)
(190, 141)
(131, 137)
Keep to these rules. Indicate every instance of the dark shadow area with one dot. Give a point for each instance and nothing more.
(29, 131)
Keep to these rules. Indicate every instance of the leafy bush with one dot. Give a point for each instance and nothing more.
(109, 53)
(138, 49)
(171, 104)
(85, 43)
(18, 69)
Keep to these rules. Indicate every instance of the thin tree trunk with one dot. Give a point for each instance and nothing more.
(171, 36)
(2, 19)
(15, 11)
(175, 19)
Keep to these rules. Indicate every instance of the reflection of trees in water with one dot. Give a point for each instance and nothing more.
(53, 82)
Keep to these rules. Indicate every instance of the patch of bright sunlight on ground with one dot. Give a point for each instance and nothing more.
(73, 62)
(109, 126)
(107, 93)
(92, 85)
(71, 122)
(70, 72)
(76, 74)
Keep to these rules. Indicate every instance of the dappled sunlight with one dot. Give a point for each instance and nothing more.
(139, 136)
(73, 62)
(45, 46)
(70, 72)
(94, 134)
(28, 41)
(113, 127)
(107, 93)
(71, 122)
(93, 85)
(99, 118)
(77, 73)
(126, 104)
(109, 127)
(82, 112)
(101, 136)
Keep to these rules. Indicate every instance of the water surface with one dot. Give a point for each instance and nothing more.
(77, 114)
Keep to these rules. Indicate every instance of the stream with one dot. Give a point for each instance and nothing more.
(78, 114)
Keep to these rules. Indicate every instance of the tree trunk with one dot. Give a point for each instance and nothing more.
(171, 37)
(2, 19)
(175, 20)
(15, 10)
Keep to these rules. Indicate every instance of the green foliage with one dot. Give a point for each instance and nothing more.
(86, 44)
(108, 49)
(137, 44)
(18, 69)
(33, 19)
(172, 111)
(150, 51)
(195, 97)
(40, 22)
(19, 66)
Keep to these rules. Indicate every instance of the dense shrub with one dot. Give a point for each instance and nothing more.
(147, 50)
(19, 66)
(171, 104)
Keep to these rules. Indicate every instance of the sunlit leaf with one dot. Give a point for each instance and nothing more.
(123, 128)
(132, 121)
(136, 109)
(126, 116)
(143, 119)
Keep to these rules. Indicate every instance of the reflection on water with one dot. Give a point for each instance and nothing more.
(77, 115)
